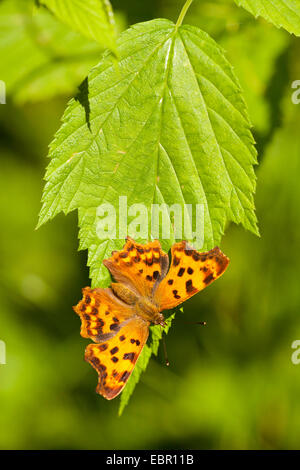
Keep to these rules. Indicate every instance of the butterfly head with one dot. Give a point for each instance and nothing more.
(159, 320)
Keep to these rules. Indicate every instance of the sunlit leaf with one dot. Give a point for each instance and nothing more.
(92, 18)
(283, 14)
(51, 59)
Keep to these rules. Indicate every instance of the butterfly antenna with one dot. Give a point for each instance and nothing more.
(203, 323)
(165, 348)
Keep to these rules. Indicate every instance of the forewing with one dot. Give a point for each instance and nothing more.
(189, 273)
(139, 267)
(115, 359)
(102, 314)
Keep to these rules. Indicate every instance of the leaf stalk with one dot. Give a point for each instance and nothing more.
(182, 14)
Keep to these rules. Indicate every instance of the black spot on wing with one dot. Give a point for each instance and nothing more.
(209, 278)
(175, 293)
(124, 377)
(95, 361)
(176, 261)
(181, 272)
(110, 392)
(102, 367)
(189, 286)
(129, 356)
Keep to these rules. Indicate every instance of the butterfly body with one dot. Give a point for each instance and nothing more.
(117, 319)
(149, 312)
(143, 307)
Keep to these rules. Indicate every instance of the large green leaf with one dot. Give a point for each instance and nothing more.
(282, 13)
(168, 125)
(92, 18)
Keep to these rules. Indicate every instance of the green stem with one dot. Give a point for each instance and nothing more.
(185, 8)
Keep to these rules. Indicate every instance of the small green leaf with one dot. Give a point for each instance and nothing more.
(283, 14)
(92, 18)
(51, 58)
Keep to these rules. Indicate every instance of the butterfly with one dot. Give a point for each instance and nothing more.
(117, 318)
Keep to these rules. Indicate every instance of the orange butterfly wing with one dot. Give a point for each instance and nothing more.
(189, 273)
(115, 359)
(139, 267)
(102, 314)
(120, 333)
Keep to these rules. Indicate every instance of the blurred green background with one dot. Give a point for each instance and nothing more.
(230, 385)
